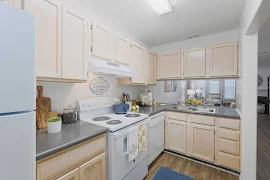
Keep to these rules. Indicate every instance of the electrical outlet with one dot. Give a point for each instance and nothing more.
(54, 105)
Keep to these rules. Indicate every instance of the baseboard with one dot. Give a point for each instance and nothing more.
(206, 164)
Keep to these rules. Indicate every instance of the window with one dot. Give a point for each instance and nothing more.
(229, 89)
(200, 84)
(214, 87)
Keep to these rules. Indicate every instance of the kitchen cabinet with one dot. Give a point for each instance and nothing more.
(138, 64)
(202, 142)
(72, 175)
(194, 61)
(169, 66)
(224, 60)
(102, 42)
(76, 44)
(95, 169)
(84, 161)
(48, 29)
(176, 136)
(151, 76)
(228, 143)
(212, 139)
(122, 50)
(15, 3)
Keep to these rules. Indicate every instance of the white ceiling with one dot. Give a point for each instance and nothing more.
(264, 44)
(189, 17)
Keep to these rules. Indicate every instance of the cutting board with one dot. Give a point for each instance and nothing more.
(43, 108)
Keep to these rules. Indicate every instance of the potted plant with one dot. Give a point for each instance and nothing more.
(54, 125)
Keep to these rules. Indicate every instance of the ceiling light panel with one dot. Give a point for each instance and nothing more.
(160, 6)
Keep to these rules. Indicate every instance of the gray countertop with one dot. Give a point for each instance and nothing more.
(71, 134)
(220, 111)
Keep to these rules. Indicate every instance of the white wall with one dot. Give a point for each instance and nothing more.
(264, 71)
(248, 54)
(63, 94)
(198, 42)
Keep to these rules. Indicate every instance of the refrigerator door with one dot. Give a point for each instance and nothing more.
(17, 60)
(18, 146)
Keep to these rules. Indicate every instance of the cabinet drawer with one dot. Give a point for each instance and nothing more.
(229, 161)
(228, 146)
(229, 123)
(176, 116)
(229, 134)
(207, 120)
(58, 164)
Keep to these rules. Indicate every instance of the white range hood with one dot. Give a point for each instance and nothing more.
(102, 67)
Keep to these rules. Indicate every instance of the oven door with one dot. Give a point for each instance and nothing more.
(118, 164)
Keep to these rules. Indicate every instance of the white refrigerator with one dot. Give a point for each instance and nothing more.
(17, 94)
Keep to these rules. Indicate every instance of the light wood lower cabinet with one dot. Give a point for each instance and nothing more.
(72, 175)
(177, 136)
(95, 169)
(202, 142)
(212, 139)
(86, 161)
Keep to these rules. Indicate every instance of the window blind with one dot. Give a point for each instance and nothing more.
(229, 89)
(214, 87)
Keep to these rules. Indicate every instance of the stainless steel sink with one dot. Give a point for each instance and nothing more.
(195, 109)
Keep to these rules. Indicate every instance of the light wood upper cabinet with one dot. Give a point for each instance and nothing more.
(224, 60)
(102, 42)
(122, 50)
(176, 136)
(15, 3)
(169, 66)
(76, 44)
(72, 175)
(95, 169)
(194, 63)
(151, 61)
(202, 142)
(138, 64)
(48, 26)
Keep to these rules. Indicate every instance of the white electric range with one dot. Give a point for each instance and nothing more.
(99, 111)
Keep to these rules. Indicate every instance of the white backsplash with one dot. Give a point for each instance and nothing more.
(63, 94)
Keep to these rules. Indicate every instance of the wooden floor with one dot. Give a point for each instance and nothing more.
(190, 168)
(263, 147)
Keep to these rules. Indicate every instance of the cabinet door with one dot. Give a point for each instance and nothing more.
(95, 169)
(151, 68)
(76, 44)
(138, 64)
(194, 63)
(224, 60)
(72, 175)
(122, 50)
(16, 3)
(169, 66)
(102, 42)
(48, 29)
(176, 136)
(202, 142)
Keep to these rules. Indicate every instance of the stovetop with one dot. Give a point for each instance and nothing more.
(116, 121)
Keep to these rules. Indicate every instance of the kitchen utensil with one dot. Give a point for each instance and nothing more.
(53, 114)
(43, 108)
(129, 106)
(121, 108)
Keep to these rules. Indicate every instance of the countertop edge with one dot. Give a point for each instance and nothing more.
(68, 145)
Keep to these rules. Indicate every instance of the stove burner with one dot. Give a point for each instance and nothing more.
(101, 118)
(132, 115)
(113, 122)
